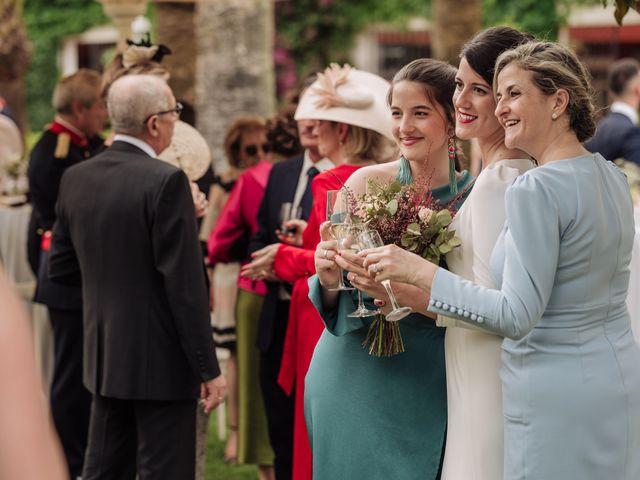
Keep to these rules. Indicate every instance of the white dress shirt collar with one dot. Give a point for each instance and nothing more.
(626, 110)
(136, 142)
(323, 164)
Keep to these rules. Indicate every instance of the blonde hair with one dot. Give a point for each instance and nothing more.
(81, 86)
(116, 69)
(553, 67)
(366, 144)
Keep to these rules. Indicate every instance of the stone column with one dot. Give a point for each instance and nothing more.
(175, 29)
(122, 13)
(235, 70)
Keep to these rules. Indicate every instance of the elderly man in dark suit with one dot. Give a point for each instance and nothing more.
(617, 134)
(126, 227)
(71, 138)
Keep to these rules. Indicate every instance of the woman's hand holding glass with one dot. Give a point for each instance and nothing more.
(338, 216)
(327, 270)
(392, 263)
(350, 247)
(371, 241)
(357, 274)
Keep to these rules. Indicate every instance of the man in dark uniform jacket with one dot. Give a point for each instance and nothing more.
(617, 134)
(70, 139)
(289, 181)
(126, 228)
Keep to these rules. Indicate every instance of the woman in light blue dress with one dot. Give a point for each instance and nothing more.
(570, 368)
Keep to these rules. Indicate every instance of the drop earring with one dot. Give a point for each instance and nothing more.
(453, 180)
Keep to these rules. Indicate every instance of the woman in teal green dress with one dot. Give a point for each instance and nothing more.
(385, 417)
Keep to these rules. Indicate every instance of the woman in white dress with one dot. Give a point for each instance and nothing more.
(474, 448)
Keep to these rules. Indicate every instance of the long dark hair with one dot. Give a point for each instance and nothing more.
(482, 50)
(437, 78)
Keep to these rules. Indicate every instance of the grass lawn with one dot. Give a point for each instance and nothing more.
(216, 468)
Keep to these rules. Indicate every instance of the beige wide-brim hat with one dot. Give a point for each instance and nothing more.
(346, 95)
(11, 146)
(188, 151)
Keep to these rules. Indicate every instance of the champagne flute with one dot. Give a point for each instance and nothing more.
(371, 239)
(337, 209)
(351, 244)
(288, 212)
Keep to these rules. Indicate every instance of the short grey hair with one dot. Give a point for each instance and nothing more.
(133, 98)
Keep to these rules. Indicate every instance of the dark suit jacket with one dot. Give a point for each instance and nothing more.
(45, 172)
(616, 137)
(126, 222)
(281, 187)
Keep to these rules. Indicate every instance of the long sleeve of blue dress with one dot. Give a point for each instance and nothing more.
(531, 243)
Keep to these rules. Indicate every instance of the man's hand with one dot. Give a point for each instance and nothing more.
(200, 202)
(212, 393)
(295, 228)
(261, 266)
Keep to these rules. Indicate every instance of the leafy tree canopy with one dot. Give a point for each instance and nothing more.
(48, 22)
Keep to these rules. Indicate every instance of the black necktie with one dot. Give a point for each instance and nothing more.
(307, 197)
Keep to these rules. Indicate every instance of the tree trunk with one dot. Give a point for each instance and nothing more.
(234, 71)
(454, 23)
(14, 57)
(175, 27)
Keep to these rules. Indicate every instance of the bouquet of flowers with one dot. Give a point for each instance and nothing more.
(410, 217)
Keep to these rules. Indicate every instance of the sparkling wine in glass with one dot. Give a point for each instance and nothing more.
(337, 209)
(371, 239)
(351, 244)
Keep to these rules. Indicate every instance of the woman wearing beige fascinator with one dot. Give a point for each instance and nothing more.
(352, 128)
(195, 160)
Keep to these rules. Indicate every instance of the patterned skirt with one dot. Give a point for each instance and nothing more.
(225, 291)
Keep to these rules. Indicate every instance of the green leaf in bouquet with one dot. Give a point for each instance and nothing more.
(444, 217)
(455, 242)
(444, 248)
(430, 231)
(431, 257)
(395, 187)
(406, 240)
(392, 206)
(414, 229)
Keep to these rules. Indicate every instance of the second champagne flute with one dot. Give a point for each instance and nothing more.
(352, 244)
(372, 239)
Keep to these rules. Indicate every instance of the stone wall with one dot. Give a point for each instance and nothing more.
(234, 66)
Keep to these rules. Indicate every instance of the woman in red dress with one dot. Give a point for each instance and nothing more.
(352, 123)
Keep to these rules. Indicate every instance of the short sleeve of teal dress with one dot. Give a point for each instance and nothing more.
(377, 417)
